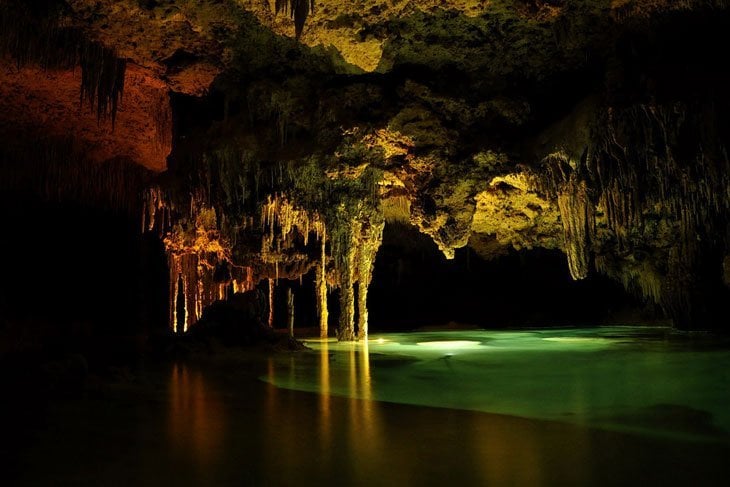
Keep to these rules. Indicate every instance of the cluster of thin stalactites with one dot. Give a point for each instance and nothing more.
(48, 42)
(299, 11)
(288, 232)
(630, 192)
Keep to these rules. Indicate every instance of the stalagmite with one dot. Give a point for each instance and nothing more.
(362, 306)
(190, 273)
(346, 330)
(290, 310)
(321, 290)
(180, 306)
(271, 302)
(183, 291)
(173, 294)
(190, 291)
(370, 243)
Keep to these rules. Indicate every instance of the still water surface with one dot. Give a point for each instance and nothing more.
(575, 407)
(645, 380)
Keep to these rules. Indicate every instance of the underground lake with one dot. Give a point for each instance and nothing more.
(566, 406)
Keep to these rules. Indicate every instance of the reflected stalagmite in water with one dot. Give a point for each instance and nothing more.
(324, 398)
(366, 432)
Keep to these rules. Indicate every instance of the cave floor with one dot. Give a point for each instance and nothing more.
(613, 406)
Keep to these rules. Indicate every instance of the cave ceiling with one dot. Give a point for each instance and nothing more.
(596, 127)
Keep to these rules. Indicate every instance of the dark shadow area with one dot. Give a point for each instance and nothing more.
(414, 286)
(78, 281)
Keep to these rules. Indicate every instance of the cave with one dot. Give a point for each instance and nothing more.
(306, 242)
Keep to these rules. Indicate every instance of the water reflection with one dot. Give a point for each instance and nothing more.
(408, 446)
(219, 425)
(196, 418)
(325, 436)
(496, 450)
(366, 433)
(349, 426)
(357, 437)
(509, 451)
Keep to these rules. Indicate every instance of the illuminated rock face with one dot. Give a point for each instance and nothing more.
(509, 124)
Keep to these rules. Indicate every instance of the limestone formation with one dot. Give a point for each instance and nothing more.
(286, 134)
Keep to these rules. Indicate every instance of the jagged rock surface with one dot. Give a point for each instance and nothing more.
(596, 127)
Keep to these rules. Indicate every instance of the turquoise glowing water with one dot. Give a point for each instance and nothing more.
(639, 380)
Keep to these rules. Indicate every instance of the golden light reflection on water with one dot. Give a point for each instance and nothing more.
(366, 432)
(343, 430)
(352, 423)
(498, 458)
(325, 405)
(497, 450)
(196, 419)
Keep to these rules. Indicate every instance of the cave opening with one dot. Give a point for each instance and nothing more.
(415, 286)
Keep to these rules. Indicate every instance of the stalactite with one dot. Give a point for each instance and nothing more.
(197, 235)
(155, 208)
(638, 156)
(191, 275)
(186, 287)
(162, 117)
(37, 34)
(32, 32)
(397, 209)
(559, 180)
(299, 11)
(286, 224)
(55, 170)
(651, 199)
(576, 213)
(198, 286)
(637, 276)
(285, 227)
(281, 217)
(196, 251)
(102, 79)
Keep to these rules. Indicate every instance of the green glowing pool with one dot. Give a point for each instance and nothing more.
(642, 380)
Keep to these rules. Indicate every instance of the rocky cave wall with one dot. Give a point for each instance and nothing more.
(598, 128)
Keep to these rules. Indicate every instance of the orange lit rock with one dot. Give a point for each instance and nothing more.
(46, 103)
